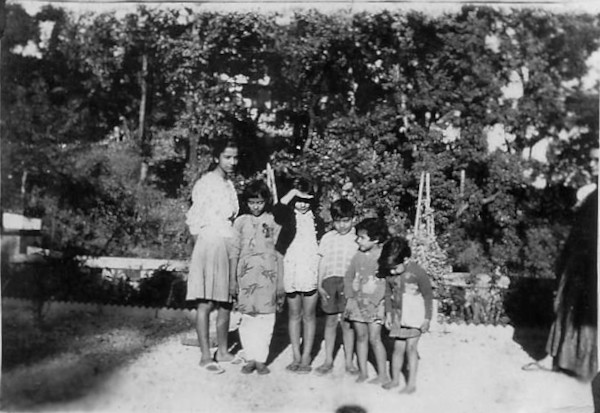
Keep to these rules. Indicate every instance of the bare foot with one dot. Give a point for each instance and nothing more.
(324, 368)
(204, 361)
(379, 380)
(408, 390)
(390, 385)
(361, 378)
(350, 369)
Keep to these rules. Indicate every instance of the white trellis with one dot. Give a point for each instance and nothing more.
(424, 222)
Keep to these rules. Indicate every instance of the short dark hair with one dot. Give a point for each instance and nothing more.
(342, 208)
(303, 185)
(394, 252)
(258, 189)
(375, 228)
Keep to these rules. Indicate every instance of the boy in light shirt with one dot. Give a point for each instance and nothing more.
(336, 249)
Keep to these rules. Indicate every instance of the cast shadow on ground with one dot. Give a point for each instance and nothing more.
(281, 341)
(65, 365)
(529, 306)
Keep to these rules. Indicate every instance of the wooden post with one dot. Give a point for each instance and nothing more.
(271, 183)
(419, 200)
(142, 118)
(428, 219)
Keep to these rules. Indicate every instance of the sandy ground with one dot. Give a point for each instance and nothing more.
(462, 369)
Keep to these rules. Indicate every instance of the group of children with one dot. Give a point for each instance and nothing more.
(362, 278)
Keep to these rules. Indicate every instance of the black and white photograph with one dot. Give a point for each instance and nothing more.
(326, 206)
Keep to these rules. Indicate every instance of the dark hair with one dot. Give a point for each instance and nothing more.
(303, 185)
(258, 189)
(375, 228)
(342, 208)
(351, 408)
(394, 252)
(219, 146)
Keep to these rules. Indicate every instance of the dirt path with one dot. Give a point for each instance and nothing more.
(461, 370)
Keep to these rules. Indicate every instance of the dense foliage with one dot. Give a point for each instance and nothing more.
(108, 125)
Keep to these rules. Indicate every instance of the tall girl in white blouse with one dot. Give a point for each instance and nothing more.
(211, 280)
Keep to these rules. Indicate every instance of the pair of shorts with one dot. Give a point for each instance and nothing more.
(295, 294)
(402, 333)
(337, 300)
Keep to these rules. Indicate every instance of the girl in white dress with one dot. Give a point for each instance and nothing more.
(298, 243)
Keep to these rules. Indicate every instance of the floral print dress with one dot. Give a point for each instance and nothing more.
(259, 265)
(364, 291)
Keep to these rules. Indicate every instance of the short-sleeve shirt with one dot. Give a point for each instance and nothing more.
(336, 252)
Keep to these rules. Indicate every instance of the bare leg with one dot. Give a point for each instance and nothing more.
(380, 353)
(348, 340)
(331, 322)
(223, 313)
(202, 322)
(413, 362)
(309, 320)
(294, 320)
(397, 363)
(362, 349)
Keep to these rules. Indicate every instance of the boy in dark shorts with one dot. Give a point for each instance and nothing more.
(336, 249)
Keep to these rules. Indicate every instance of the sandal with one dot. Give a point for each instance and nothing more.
(294, 366)
(324, 369)
(353, 371)
(262, 369)
(303, 369)
(213, 367)
(249, 368)
(237, 359)
(535, 366)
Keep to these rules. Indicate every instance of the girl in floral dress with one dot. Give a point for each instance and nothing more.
(211, 279)
(259, 275)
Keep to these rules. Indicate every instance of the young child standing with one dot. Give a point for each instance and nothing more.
(408, 307)
(365, 293)
(336, 249)
(259, 275)
(298, 243)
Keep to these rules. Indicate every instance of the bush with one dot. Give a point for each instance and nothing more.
(65, 279)
(163, 288)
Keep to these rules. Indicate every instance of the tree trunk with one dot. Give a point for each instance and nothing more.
(142, 119)
(193, 138)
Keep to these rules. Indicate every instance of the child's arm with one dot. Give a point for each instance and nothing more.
(349, 278)
(287, 198)
(388, 304)
(427, 292)
(234, 256)
(280, 290)
(321, 268)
